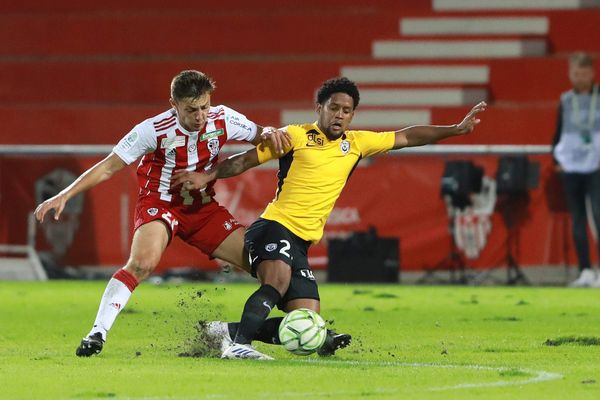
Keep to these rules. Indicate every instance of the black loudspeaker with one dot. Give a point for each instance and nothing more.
(516, 175)
(460, 179)
(364, 257)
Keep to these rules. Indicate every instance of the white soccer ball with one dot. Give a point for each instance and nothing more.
(302, 332)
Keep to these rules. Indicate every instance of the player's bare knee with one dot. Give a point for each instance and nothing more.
(141, 267)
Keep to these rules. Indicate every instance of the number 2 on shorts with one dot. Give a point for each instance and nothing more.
(285, 248)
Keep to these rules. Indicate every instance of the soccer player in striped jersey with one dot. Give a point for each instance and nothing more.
(312, 173)
(186, 137)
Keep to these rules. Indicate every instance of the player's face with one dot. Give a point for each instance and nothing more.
(582, 78)
(192, 113)
(335, 115)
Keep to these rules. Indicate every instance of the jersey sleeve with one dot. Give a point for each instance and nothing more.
(266, 152)
(372, 143)
(238, 126)
(139, 141)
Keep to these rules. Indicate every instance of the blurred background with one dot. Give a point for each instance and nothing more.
(82, 74)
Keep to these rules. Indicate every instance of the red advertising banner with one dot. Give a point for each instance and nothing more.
(398, 195)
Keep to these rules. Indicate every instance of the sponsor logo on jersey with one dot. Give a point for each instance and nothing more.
(345, 147)
(314, 139)
(308, 274)
(271, 246)
(172, 142)
(213, 147)
(236, 122)
(213, 134)
(152, 211)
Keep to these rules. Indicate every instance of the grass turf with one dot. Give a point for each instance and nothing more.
(409, 342)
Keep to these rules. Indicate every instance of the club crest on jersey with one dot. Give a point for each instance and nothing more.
(213, 147)
(271, 246)
(152, 211)
(192, 148)
(213, 134)
(345, 146)
(227, 225)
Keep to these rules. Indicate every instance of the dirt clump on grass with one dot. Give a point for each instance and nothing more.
(574, 340)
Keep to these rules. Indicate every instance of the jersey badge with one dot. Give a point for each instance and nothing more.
(152, 211)
(213, 134)
(345, 147)
(130, 140)
(213, 147)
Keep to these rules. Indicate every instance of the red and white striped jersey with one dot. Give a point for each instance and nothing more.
(166, 147)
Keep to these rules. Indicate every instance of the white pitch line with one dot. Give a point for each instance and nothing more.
(540, 376)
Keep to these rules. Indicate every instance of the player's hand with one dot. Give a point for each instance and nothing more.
(468, 124)
(189, 180)
(56, 203)
(279, 138)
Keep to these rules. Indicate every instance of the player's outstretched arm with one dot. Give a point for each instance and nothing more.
(279, 140)
(90, 178)
(232, 166)
(419, 135)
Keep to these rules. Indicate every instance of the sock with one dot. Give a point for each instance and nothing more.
(115, 297)
(267, 333)
(257, 309)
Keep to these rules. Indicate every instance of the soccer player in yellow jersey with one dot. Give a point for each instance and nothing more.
(312, 174)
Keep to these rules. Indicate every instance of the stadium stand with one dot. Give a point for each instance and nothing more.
(81, 72)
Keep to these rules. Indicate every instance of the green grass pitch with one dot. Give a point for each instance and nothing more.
(409, 343)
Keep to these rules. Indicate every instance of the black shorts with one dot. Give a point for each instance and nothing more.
(269, 240)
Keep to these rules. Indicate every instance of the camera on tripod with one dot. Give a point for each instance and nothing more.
(516, 175)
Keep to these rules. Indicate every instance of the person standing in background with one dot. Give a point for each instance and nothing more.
(576, 151)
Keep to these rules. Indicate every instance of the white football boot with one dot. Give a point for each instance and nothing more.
(220, 330)
(237, 350)
(596, 283)
(587, 278)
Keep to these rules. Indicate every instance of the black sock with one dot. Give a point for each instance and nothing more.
(257, 309)
(268, 332)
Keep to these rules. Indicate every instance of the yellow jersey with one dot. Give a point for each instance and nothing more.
(313, 173)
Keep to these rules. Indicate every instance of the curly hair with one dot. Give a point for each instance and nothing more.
(191, 84)
(338, 85)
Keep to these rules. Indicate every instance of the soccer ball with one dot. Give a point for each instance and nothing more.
(302, 332)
